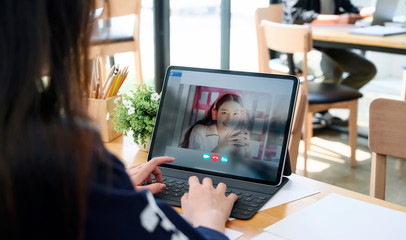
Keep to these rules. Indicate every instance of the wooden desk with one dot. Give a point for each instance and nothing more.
(129, 154)
(339, 37)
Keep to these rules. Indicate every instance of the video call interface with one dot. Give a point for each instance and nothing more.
(225, 124)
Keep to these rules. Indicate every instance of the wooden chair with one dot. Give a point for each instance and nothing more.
(292, 39)
(403, 91)
(296, 132)
(387, 137)
(111, 36)
(272, 13)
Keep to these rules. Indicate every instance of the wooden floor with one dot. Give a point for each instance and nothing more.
(329, 155)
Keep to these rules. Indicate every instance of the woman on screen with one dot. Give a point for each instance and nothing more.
(222, 129)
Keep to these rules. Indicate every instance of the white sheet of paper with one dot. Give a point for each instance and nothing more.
(232, 234)
(336, 217)
(378, 30)
(292, 190)
(267, 236)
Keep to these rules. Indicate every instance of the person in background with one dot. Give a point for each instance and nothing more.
(57, 180)
(222, 128)
(329, 64)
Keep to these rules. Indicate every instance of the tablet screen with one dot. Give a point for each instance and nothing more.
(226, 123)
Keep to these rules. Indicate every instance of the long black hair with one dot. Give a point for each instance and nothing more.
(46, 146)
(208, 118)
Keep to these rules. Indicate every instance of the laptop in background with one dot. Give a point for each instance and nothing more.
(384, 11)
(267, 102)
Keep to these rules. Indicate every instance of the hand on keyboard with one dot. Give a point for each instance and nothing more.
(207, 206)
(142, 172)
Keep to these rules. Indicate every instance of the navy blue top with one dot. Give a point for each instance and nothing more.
(117, 211)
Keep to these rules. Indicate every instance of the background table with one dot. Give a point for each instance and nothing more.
(339, 37)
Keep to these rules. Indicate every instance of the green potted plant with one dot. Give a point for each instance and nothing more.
(135, 114)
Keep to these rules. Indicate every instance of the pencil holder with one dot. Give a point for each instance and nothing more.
(99, 111)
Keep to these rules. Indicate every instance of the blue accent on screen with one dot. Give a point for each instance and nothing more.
(175, 74)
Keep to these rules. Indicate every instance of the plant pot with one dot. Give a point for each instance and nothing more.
(145, 147)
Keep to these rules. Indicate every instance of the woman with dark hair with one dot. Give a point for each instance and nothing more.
(222, 129)
(57, 181)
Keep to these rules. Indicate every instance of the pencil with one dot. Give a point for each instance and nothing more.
(98, 76)
(92, 79)
(107, 78)
(123, 79)
(113, 87)
(97, 90)
(100, 70)
(117, 86)
(110, 82)
(113, 84)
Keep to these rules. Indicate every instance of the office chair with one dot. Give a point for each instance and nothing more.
(118, 31)
(292, 39)
(387, 137)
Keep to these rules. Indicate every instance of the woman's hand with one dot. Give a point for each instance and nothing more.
(247, 143)
(229, 141)
(141, 172)
(207, 206)
(242, 139)
(242, 143)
